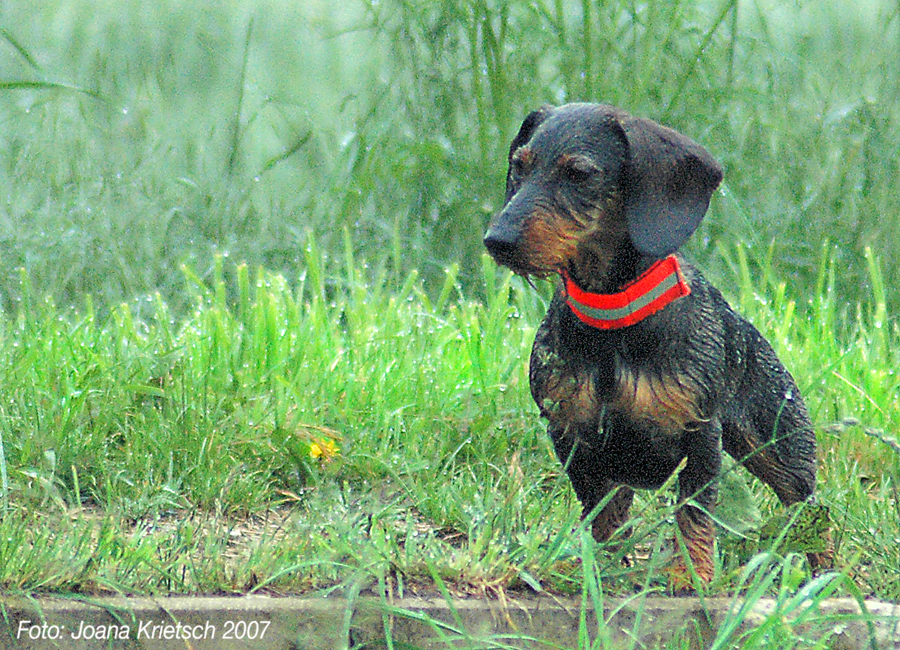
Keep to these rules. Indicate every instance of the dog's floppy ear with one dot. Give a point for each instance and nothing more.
(668, 184)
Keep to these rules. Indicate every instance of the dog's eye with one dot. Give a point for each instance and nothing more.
(516, 168)
(577, 168)
(514, 177)
(520, 162)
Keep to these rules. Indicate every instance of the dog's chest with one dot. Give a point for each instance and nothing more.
(575, 379)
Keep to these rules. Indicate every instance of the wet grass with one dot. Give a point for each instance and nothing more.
(139, 138)
(249, 342)
(397, 431)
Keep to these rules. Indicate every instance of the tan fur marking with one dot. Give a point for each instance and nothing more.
(523, 155)
(668, 401)
(549, 241)
(699, 538)
(571, 398)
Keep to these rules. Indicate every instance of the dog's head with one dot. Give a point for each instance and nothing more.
(585, 180)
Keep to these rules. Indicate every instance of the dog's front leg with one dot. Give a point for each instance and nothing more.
(580, 464)
(698, 488)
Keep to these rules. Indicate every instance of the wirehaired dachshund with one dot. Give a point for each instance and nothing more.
(640, 364)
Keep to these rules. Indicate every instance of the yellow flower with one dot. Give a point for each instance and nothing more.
(323, 449)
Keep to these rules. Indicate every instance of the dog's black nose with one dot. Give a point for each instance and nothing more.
(501, 243)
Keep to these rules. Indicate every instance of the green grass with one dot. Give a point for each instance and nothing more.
(397, 431)
(333, 434)
(249, 341)
(138, 138)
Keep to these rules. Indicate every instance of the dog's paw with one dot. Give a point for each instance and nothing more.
(683, 581)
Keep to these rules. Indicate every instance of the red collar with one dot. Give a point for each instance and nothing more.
(660, 285)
